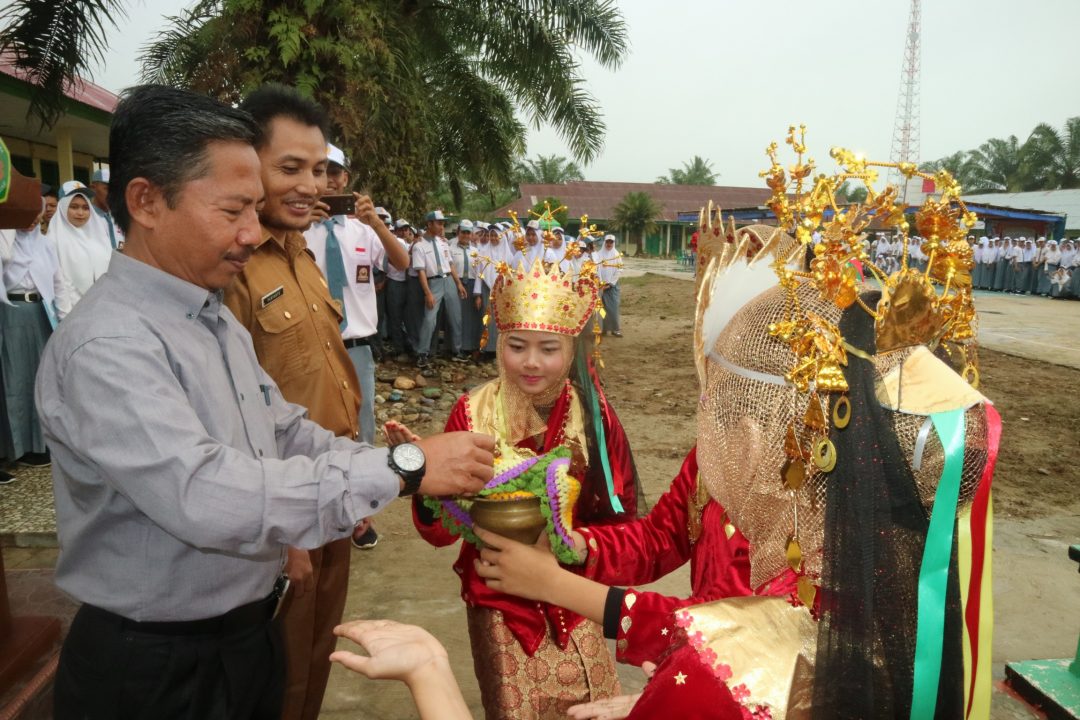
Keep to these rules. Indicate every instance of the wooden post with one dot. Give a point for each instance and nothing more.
(64, 154)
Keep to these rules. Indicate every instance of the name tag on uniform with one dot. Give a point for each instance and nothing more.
(363, 273)
(272, 296)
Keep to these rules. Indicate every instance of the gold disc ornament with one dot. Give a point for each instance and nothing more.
(841, 412)
(825, 455)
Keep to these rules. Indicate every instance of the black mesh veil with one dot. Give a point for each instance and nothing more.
(875, 529)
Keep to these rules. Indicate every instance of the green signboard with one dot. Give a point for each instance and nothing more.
(5, 171)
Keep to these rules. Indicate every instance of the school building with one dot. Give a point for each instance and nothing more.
(73, 147)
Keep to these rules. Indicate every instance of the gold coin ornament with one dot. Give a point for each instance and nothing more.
(825, 455)
(971, 374)
(841, 412)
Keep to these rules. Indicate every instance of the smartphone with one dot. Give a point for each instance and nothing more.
(340, 204)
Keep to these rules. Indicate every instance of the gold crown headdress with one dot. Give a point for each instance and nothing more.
(543, 298)
(932, 308)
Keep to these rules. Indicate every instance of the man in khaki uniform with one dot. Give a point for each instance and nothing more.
(282, 299)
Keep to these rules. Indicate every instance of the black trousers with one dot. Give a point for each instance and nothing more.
(108, 670)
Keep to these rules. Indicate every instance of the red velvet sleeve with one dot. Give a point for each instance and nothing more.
(426, 524)
(647, 625)
(684, 687)
(644, 550)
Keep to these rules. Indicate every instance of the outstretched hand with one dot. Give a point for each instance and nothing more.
(613, 708)
(397, 433)
(528, 571)
(395, 651)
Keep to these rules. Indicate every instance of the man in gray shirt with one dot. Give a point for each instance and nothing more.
(180, 472)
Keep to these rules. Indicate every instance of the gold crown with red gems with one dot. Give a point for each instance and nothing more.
(544, 298)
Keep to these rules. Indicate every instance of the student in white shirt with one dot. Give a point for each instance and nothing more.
(37, 295)
(609, 268)
(348, 258)
(397, 292)
(438, 280)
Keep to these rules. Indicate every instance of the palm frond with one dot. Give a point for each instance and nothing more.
(174, 53)
(55, 43)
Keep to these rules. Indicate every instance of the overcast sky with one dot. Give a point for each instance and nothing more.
(723, 78)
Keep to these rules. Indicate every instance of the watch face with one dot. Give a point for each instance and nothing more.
(408, 457)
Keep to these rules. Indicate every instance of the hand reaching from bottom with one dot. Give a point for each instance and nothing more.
(395, 651)
(612, 708)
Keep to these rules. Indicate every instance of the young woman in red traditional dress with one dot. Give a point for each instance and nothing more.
(534, 660)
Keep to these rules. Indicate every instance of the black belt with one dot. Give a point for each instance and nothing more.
(356, 342)
(245, 617)
(24, 297)
(435, 277)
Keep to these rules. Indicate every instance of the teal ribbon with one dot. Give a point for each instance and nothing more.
(934, 571)
(605, 463)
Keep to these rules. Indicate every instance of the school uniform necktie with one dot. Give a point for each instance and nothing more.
(335, 269)
(438, 256)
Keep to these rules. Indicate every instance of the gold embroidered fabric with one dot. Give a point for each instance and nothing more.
(769, 646)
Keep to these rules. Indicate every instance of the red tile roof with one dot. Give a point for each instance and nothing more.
(82, 91)
(596, 199)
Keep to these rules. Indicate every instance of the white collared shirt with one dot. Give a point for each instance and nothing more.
(362, 252)
(423, 256)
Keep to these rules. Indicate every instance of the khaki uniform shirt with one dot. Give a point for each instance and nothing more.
(282, 299)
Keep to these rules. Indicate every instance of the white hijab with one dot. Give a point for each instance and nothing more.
(84, 252)
(1068, 255)
(609, 266)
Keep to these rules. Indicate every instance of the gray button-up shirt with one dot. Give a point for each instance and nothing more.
(180, 472)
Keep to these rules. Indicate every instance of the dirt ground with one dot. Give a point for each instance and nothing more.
(651, 382)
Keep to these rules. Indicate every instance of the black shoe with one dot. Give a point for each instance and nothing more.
(422, 361)
(6, 478)
(617, 333)
(35, 460)
(460, 358)
(366, 540)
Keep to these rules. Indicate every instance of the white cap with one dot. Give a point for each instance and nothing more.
(481, 225)
(401, 223)
(74, 186)
(336, 155)
(381, 212)
(609, 236)
(535, 225)
(465, 226)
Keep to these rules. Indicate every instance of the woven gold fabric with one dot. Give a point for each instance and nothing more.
(742, 422)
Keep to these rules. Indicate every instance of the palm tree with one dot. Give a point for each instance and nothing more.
(696, 172)
(55, 43)
(548, 170)
(959, 166)
(636, 216)
(432, 85)
(998, 165)
(417, 89)
(1053, 157)
(850, 193)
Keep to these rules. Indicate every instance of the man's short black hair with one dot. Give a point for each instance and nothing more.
(51, 192)
(162, 133)
(273, 101)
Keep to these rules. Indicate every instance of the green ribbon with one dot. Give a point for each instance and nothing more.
(934, 571)
(601, 439)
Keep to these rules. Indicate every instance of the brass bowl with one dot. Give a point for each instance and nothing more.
(518, 519)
